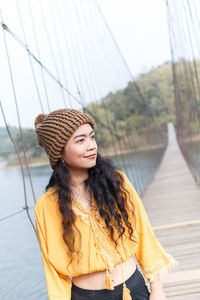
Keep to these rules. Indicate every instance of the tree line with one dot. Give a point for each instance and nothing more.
(127, 115)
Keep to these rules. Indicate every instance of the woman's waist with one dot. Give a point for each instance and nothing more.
(96, 280)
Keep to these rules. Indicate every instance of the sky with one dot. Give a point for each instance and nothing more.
(139, 27)
(141, 30)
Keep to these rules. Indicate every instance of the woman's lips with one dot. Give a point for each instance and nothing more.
(91, 156)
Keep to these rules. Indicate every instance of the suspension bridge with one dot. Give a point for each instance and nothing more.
(172, 201)
(130, 114)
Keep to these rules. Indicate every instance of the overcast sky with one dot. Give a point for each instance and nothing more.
(141, 30)
(139, 27)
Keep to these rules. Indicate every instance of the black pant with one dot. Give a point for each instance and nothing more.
(135, 284)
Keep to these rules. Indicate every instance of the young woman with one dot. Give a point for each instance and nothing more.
(91, 223)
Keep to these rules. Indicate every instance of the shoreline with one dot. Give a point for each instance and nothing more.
(31, 165)
(127, 151)
(109, 154)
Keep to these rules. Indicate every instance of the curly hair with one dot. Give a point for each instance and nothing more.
(108, 190)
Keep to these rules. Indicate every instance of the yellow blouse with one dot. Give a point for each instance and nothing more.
(97, 247)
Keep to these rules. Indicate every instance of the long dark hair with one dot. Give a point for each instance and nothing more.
(106, 184)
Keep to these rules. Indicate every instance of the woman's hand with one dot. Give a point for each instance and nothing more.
(157, 292)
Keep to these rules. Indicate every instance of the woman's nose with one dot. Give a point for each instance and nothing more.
(92, 144)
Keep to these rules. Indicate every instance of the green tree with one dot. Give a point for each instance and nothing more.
(30, 142)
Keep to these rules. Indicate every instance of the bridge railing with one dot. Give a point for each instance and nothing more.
(184, 30)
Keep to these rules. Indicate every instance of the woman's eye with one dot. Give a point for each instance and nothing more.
(80, 141)
(93, 136)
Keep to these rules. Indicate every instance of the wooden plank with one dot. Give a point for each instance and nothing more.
(172, 201)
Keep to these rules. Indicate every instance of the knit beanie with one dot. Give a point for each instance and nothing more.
(54, 130)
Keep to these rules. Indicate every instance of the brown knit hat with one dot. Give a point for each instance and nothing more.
(55, 129)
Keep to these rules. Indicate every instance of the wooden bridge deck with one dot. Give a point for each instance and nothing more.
(172, 201)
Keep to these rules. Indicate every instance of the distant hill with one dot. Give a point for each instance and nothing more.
(122, 114)
(136, 113)
(5, 142)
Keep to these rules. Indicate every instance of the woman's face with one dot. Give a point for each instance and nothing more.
(80, 151)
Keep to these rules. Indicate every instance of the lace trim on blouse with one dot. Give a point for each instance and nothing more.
(159, 269)
(92, 218)
(101, 233)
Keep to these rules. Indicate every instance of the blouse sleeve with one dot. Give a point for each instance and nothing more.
(58, 287)
(151, 256)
